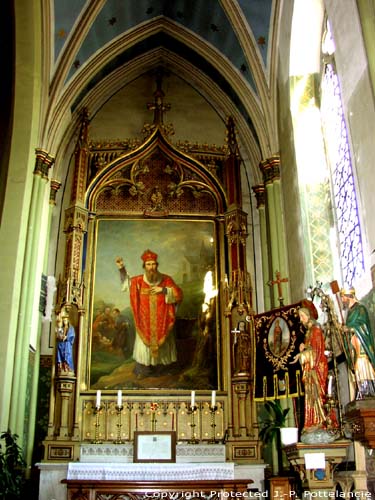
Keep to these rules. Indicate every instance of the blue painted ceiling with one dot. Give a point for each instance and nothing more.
(206, 18)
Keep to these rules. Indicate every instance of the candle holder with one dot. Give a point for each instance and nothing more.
(193, 439)
(213, 425)
(97, 424)
(153, 407)
(119, 409)
(330, 405)
(153, 421)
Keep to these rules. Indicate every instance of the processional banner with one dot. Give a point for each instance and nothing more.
(278, 335)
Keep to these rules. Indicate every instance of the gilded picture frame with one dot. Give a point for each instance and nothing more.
(185, 251)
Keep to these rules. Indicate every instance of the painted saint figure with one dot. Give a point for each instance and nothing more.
(277, 337)
(154, 298)
(242, 349)
(315, 376)
(359, 344)
(65, 336)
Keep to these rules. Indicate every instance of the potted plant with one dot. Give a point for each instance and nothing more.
(12, 467)
(275, 419)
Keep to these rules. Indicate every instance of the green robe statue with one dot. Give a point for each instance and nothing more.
(360, 350)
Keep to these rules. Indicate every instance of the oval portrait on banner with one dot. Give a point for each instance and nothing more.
(278, 337)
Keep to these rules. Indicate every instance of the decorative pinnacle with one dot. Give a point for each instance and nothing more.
(158, 106)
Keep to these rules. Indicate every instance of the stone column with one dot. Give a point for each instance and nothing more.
(29, 282)
(276, 243)
(260, 194)
(54, 187)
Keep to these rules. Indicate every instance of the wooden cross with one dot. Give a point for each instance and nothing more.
(278, 282)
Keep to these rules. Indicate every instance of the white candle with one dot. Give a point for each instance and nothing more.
(192, 404)
(330, 378)
(119, 398)
(98, 397)
(213, 399)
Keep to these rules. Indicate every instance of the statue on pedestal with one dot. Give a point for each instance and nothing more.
(241, 346)
(359, 344)
(315, 378)
(65, 335)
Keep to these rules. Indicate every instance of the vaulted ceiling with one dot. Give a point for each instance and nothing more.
(225, 49)
(207, 19)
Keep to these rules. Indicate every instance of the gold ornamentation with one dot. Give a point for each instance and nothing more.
(237, 292)
(278, 362)
(236, 228)
(270, 169)
(43, 162)
(260, 195)
(55, 186)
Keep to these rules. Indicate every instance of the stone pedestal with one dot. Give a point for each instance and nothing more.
(50, 481)
(282, 487)
(319, 481)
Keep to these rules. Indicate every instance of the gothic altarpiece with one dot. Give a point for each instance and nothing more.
(184, 203)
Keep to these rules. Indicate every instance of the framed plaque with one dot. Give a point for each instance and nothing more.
(155, 446)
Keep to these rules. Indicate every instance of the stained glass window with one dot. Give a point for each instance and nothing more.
(343, 185)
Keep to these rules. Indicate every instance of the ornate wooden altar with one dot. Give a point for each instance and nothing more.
(360, 417)
(184, 202)
(140, 490)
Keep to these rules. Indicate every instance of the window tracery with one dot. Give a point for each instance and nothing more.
(339, 158)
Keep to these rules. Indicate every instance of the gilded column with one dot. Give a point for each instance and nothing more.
(55, 186)
(65, 387)
(70, 289)
(236, 232)
(64, 425)
(238, 308)
(80, 167)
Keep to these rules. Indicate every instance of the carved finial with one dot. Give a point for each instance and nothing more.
(83, 131)
(159, 107)
(231, 136)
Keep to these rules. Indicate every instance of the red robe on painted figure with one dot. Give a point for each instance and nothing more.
(154, 315)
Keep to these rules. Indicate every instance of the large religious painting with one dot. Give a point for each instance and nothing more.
(153, 309)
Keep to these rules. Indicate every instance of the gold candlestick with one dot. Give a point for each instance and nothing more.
(153, 407)
(213, 424)
(330, 405)
(119, 424)
(97, 424)
(193, 439)
(153, 422)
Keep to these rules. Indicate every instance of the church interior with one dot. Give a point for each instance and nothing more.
(187, 247)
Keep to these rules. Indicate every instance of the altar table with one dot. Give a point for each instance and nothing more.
(150, 471)
(170, 490)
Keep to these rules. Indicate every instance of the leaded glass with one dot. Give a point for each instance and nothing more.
(343, 186)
